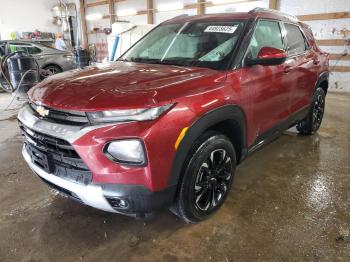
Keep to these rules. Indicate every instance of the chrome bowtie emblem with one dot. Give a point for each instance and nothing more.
(42, 111)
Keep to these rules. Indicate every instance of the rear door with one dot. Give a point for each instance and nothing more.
(268, 88)
(301, 62)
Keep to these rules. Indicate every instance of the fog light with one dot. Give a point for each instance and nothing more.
(117, 203)
(129, 151)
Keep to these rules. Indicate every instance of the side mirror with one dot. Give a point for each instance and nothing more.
(269, 56)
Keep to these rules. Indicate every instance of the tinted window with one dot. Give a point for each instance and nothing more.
(28, 48)
(33, 50)
(295, 39)
(267, 34)
(14, 47)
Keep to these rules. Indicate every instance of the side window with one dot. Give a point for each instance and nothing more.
(267, 34)
(295, 39)
(16, 47)
(33, 50)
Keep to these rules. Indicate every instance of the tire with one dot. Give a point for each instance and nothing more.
(207, 178)
(312, 122)
(49, 71)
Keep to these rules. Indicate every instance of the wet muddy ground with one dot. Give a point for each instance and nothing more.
(290, 202)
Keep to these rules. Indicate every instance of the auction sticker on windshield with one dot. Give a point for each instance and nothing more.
(221, 29)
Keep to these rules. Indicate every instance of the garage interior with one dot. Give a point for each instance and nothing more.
(290, 201)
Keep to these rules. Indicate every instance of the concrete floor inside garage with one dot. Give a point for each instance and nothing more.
(290, 202)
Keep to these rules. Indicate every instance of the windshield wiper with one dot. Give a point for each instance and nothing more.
(144, 60)
(176, 62)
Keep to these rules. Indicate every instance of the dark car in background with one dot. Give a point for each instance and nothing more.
(53, 61)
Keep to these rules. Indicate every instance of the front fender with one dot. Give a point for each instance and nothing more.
(209, 119)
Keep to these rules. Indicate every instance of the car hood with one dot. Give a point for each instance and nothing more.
(118, 85)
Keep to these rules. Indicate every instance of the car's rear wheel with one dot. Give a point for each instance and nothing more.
(313, 121)
(207, 178)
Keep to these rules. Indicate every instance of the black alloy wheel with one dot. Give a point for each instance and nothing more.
(313, 120)
(207, 177)
(318, 112)
(213, 180)
(49, 71)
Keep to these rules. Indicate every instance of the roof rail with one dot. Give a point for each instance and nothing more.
(273, 11)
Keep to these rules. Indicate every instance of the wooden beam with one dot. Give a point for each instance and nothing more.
(339, 57)
(210, 4)
(326, 16)
(333, 42)
(150, 14)
(273, 4)
(85, 39)
(200, 7)
(102, 2)
(111, 8)
(188, 6)
(343, 69)
(105, 2)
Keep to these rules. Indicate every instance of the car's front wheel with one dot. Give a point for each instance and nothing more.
(49, 71)
(207, 178)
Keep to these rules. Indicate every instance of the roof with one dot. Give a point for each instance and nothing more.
(253, 14)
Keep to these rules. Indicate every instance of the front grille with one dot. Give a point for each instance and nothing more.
(65, 117)
(55, 156)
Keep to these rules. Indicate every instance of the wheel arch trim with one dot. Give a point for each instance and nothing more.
(200, 125)
(324, 76)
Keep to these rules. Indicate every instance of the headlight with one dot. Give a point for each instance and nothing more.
(130, 151)
(128, 115)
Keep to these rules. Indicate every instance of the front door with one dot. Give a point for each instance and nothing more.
(268, 85)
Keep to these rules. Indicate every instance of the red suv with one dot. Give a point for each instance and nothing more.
(167, 124)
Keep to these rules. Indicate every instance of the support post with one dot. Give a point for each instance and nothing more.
(273, 4)
(111, 11)
(150, 12)
(85, 38)
(200, 7)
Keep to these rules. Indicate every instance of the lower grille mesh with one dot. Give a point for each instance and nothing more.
(55, 156)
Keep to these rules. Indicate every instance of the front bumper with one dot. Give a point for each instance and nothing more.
(102, 196)
(83, 172)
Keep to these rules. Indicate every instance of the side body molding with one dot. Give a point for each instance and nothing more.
(229, 113)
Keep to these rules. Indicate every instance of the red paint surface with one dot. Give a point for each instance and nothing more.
(266, 94)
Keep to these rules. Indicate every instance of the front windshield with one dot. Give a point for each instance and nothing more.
(202, 44)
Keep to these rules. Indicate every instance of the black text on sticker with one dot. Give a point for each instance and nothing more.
(221, 29)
